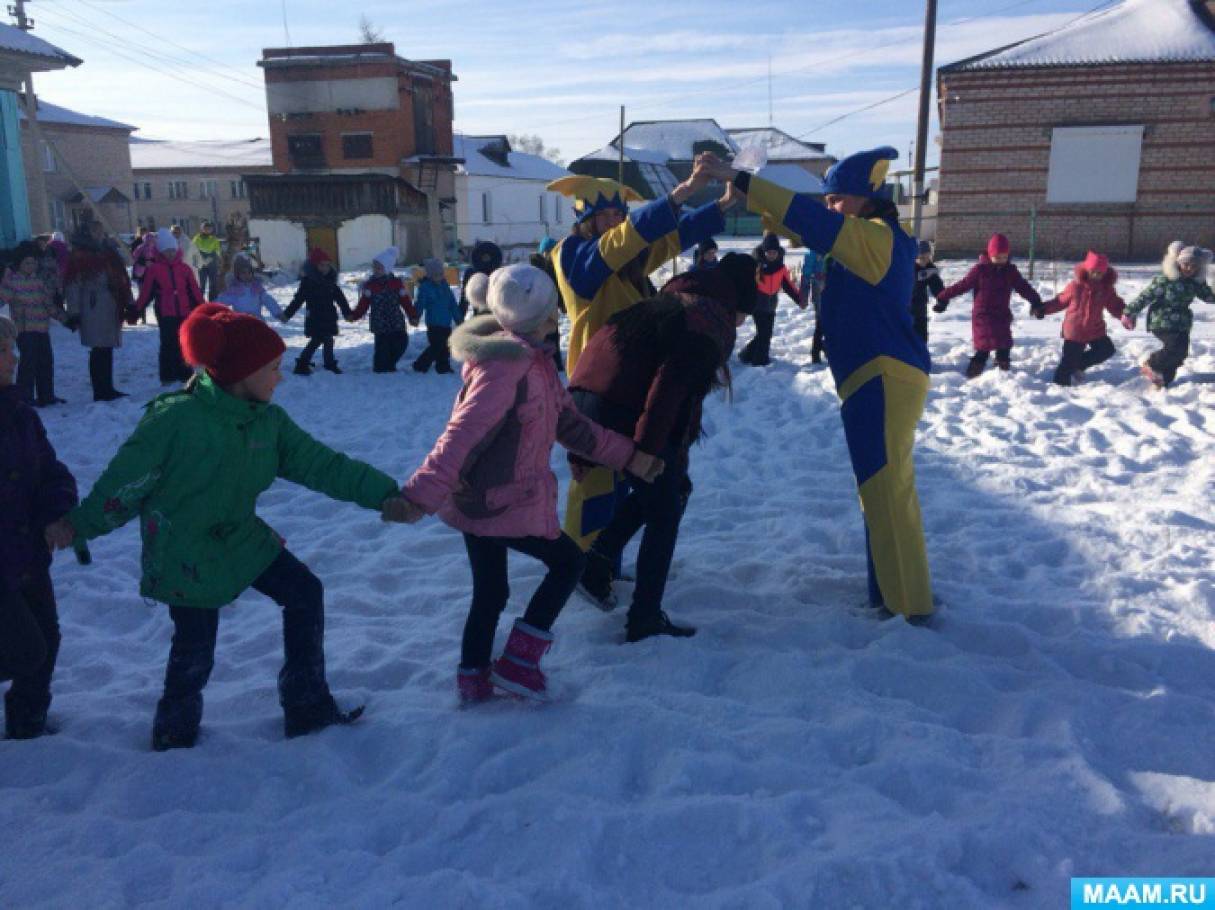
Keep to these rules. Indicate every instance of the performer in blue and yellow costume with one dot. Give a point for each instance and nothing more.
(602, 267)
(880, 365)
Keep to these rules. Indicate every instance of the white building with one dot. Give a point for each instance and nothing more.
(501, 196)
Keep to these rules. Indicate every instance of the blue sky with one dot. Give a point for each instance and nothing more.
(557, 69)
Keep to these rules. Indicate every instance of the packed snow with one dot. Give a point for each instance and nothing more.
(1056, 720)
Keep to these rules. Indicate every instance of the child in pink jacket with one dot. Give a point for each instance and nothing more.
(993, 281)
(170, 287)
(1086, 298)
(489, 477)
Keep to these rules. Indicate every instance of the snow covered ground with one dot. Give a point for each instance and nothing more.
(1058, 720)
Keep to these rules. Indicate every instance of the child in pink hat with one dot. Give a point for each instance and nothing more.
(993, 281)
(1086, 299)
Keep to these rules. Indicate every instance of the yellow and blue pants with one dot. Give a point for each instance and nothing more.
(882, 404)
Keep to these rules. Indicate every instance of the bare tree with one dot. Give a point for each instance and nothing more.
(369, 32)
(534, 145)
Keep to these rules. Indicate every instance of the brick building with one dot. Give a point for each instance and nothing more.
(1102, 129)
(361, 144)
(90, 154)
(188, 182)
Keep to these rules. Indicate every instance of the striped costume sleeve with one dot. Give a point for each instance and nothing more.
(862, 246)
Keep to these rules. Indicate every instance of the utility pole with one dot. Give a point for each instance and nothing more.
(620, 169)
(37, 179)
(921, 141)
(17, 10)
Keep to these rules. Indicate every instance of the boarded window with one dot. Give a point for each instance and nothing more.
(1094, 164)
(487, 208)
(356, 146)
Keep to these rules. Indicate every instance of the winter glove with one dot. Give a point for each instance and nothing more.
(1037, 310)
(131, 314)
(940, 306)
(72, 323)
(1128, 323)
(399, 510)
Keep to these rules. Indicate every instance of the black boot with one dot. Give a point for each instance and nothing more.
(302, 368)
(596, 582)
(24, 718)
(177, 722)
(300, 720)
(657, 624)
(333, 367)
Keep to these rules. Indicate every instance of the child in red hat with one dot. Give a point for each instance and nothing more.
(191, 473)
(1086, 298)
(993, 281)
(318, 291)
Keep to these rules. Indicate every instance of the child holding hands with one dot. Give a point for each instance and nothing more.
(203, 544)
(489, 476)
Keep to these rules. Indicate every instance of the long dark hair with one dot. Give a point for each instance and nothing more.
(661, 322)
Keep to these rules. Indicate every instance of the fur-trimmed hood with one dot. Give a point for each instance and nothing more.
(1109, 279)
(1172, 270)
(482, 339)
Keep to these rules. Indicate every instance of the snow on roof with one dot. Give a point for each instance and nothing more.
(522, 166)
(15, 41)
(791, 177)
(205, 153)
(779, 144)
(674, 138)
(611, 152)
(53, 113)
(1135, 31)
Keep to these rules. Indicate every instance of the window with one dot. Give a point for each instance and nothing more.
(356, 146)
(238, 189)
(1073, 151)
(147, 191)
(208, 189)
(58, 214)
(48, 159)
(178, 189)
(136, 196)
(306, 150)
(542, 210)
(487, 208)
(557, 209)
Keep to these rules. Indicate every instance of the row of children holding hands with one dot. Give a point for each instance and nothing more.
(203, 544)
(1088, 296)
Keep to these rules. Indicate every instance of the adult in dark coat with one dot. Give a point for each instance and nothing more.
(646, 374)
(318, 291)
(35, 490)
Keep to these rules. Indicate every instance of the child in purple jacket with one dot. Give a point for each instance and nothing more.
(489, 477)
(35, 490)
(993, 280)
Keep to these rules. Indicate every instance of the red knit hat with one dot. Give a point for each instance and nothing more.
(997, 246)
(230, 346)
(316, 256)
(1095, 262)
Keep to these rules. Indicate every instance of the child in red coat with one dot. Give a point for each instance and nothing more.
(993, 281)
(1086, 298)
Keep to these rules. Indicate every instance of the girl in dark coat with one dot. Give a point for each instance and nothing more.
(319, 291)
(646, 374)
(35, 490)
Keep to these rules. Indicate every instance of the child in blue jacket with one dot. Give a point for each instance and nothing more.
(437, 305)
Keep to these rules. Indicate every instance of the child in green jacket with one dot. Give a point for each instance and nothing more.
(203, 543)
(1167, 299)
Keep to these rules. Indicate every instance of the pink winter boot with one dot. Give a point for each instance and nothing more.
(518, 669)
(474, 685)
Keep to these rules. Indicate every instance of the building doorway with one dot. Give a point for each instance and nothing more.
(326, 239)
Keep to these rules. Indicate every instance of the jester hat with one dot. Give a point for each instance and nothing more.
(593, 195)
(862, 174)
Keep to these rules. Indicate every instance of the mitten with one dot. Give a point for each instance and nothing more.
(939, 306)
